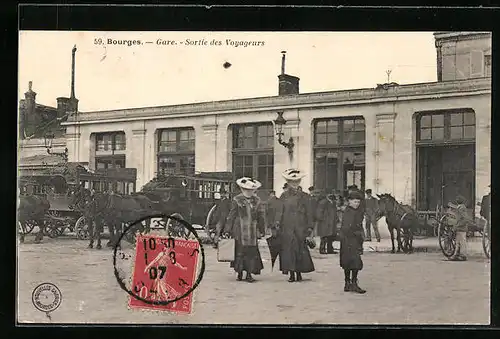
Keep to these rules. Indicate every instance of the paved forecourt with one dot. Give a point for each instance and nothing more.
(420, 288)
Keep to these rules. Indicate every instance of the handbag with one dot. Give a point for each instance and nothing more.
(225, 250)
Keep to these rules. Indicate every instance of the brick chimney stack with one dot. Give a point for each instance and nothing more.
(30, 99)
(288, 84)
(69, 105)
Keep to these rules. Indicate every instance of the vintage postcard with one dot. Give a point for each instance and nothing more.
(254, 177)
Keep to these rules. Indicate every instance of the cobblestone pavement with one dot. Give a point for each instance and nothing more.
(421, 288)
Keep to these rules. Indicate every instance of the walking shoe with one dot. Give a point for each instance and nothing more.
(299, 276)
(378, 240)
(249, 278)
(347, 286)
(240, 276)
(355, 288)
(292, 277)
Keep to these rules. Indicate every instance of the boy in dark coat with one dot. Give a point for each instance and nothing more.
(351, 243)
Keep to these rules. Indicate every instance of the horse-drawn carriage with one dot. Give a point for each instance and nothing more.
(447, 233)
(191, 198)
(45, 196)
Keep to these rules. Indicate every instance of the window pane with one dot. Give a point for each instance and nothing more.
(248, 161)
(168, 147)
(348, 126)
(469, 132)
(263, 131)
(359, 125)
(469, 119)
(456, 119)
(321, 139)
(321, 127)
(425, 121)
(333, 139)
(456, 132)
(437, 120)
(333, 126)
(265, 142)
(238, 160)
(262, 160)
(437, 133)
(425, 134)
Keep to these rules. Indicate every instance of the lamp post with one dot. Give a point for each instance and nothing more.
(48, 145)
(279, 123)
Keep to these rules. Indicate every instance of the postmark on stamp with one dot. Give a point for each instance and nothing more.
(165, 271)
(46, 298)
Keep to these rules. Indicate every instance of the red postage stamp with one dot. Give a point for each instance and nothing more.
(164, 270)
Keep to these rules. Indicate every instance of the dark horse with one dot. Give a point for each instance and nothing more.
(32, 209)
(111, 209)
(399, 217)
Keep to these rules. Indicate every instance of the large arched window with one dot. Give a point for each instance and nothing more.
(176, 152)
(339, 153)
(253, 154)
(445, 157)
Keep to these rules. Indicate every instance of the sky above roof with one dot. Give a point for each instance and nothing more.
(115, 76)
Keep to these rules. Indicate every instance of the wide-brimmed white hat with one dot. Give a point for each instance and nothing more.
(248, 183)
(293, 174)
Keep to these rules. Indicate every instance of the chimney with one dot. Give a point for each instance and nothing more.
(73, 101)
(30, 99)
(63, 106)
(288, 84)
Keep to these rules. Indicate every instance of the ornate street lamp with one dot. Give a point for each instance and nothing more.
(48, 145)
(279, 123)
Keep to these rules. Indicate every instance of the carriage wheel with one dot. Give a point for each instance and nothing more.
(82, 229)
(487, 240)
(407, 240)
(175, 228)
(27, 226)
(210, 232)
(446, 237)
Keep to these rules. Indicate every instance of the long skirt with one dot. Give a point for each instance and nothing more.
(246, 258)
(350, 253)
(294, 255)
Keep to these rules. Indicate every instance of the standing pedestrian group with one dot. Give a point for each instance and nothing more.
(291, 220)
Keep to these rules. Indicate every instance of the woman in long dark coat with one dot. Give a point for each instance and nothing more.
(294, 220)
(351, 242)
(326, 217)
(246, 218)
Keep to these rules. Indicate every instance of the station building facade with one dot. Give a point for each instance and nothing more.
(424, 143)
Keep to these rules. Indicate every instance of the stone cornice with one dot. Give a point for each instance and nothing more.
(307, 100)
(459, 36)
(209, 127)
(138, 132)
(40, 142)
(385, 117)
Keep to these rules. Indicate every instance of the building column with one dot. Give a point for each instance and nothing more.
(384, 153)
(73, 143)
(370, 152)
(207, 152)
(283, 160)
(483, 153)
(136, 154)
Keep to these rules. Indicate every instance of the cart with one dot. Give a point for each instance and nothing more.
(447, 234)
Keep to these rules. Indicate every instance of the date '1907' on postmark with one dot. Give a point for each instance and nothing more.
(164, 270)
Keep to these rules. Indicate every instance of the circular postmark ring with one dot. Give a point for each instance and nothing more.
(121, 283)
(46, 297)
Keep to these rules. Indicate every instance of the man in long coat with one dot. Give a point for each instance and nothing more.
(293, 224)
(326, 217)
(351, 243)
(486, 207)
(272, 204)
